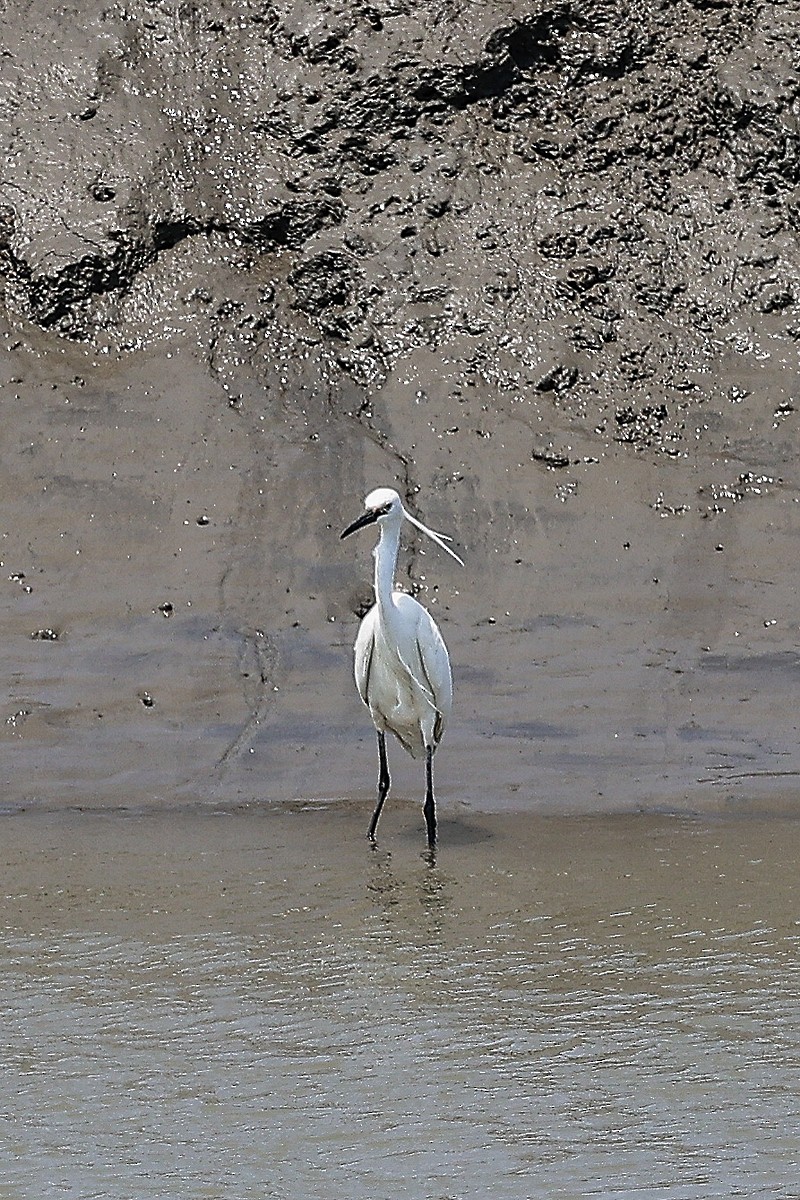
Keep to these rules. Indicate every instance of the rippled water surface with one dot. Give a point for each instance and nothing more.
(258, 1005)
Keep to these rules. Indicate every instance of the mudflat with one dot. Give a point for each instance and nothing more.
(536, 269)
(179, 611)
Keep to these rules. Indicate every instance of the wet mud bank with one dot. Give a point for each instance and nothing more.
(535, 265)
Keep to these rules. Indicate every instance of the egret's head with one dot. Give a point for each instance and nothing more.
(384, 506)
(381, 505)
(384, 502)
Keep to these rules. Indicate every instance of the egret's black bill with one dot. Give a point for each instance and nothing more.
(365, 519)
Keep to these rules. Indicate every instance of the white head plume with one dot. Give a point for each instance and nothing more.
(440, 538)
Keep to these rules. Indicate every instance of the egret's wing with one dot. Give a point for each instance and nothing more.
(423, 654)
(435, 664)
(364, 654)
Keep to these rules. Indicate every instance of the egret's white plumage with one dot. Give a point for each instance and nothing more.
(402, 667)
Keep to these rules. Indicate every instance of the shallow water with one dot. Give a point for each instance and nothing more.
(258, 1005)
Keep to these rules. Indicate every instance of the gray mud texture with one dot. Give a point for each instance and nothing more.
(533, 264)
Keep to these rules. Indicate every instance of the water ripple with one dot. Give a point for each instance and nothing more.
(470, 1038)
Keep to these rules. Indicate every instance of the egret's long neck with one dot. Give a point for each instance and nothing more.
(385, 554)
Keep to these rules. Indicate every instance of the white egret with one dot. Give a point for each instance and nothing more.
(402, 667)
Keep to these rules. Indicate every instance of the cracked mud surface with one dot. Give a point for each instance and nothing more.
(535, 265)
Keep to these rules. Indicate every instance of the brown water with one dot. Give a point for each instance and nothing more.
(258, 1005)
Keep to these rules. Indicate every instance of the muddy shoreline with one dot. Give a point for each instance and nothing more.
(537, 268)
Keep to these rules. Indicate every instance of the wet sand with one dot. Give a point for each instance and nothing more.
(258, 1004)
(179, 613)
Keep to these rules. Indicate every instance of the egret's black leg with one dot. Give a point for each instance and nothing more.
(384, 783)
(429, 807)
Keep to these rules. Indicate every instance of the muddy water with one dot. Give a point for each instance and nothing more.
(255, 1004)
